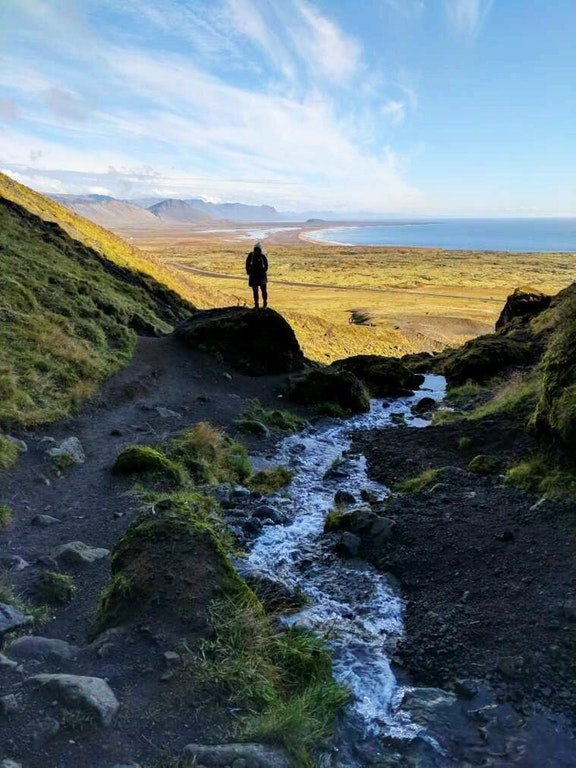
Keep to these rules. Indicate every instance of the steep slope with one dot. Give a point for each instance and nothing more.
(179, 211)
(104, 242)
(69, 317)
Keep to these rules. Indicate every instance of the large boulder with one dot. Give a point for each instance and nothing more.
(320, 386)
(521, 306)
(383, 376)
(254, 342)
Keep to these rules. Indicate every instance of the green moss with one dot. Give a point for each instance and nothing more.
(8, 452)
(143, 459)
(333, 520)
(55, 588)
(270, 480)
(276, 420)
(484, 465)
(5, 516)
(464, 443)
(516, 396)
(418, 483)
(554, 417)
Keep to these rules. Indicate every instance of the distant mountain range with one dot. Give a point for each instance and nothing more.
(151, 212)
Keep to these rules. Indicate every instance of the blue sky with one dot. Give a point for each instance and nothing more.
(416, 107)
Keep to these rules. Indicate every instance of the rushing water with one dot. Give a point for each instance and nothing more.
(352, 604)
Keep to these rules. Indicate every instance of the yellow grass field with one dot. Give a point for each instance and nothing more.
(417, 299)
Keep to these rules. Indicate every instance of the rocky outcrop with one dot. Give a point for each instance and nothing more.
(481, 359)
(322, 386)
(521, 306)
(382, 376)
(253, 342)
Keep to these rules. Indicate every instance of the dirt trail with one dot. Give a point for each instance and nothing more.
(95, 506)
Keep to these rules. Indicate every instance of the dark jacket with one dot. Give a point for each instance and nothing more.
(256, 268)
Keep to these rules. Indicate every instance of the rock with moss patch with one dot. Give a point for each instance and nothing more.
(168, 567)
(482, 358)
(89, 694)
(255, 343)
(143, 459)
(68, 453)
(484, 464)
(78, 553)
(324, 385)
(383, 376)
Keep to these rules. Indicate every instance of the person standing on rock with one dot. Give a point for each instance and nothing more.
(257, 271)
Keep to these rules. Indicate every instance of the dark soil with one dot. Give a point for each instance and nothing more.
(95, 506)
(487, 573)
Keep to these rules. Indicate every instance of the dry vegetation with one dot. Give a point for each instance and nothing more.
(414, 299)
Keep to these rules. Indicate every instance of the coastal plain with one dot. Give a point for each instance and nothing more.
(411, 299)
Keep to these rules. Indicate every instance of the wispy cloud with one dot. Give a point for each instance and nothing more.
(467, 16)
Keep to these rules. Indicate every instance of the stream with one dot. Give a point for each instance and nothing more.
(357, 608)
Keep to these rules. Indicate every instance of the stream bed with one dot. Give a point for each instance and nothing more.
(357, 608)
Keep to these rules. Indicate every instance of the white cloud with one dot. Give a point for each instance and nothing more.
(466, 16)
(395, 110)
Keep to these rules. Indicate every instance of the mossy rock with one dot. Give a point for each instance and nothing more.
(209, 455)
(522, 306)
(554, 419)
(143, 459)
(55, 588)
(168, 567)
(479, 360)
(484, 464)
(327, 385)
(383, 376)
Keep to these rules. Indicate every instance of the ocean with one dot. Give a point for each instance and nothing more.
(522, 235)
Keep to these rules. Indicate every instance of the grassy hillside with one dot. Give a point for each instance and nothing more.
(69, 317)
(106, 243)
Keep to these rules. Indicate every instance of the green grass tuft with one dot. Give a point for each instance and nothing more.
(282, 680)
(276, 420)
(5, 516)
(418, 483)
(484, 465)
(270, 480)
(537, 475)
(8, 451)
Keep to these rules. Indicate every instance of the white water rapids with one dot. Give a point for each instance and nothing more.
(353, 605)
